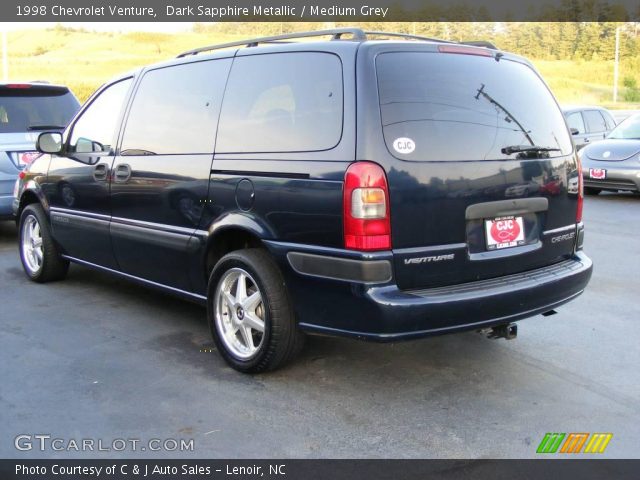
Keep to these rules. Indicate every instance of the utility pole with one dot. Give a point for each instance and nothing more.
(5, 57)
(615, 66)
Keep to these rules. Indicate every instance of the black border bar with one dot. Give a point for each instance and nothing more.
(318, 10)
(548, 469)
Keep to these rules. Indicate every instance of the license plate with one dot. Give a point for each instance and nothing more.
(597, 173)
(504, 232)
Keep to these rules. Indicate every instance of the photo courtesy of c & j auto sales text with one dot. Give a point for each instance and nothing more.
(357, 240)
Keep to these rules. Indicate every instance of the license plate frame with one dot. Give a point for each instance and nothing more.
(504, 232)
(598, 173)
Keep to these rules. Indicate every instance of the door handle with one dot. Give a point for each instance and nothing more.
(101, 172)
(586, 140)
(122, 173)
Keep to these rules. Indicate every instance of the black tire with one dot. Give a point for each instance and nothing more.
(53, 266)
(592, 191)
(281, 340)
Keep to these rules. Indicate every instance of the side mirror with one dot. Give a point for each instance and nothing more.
(49, 142)
(574, 131)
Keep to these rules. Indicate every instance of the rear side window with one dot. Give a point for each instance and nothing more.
(282, 102)
(175, 110)
(611, 123)
(595, 121)
(448, 107)
(574, 120)
(35, 108)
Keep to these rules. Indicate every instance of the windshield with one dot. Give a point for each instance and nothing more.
(438, 106)
(628, 129)
(25, 109)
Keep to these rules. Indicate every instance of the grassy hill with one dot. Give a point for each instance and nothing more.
(84, 60)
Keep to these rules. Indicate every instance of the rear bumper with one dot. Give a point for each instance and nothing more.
(382, 312)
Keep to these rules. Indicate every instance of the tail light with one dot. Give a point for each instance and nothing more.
(367, 222)
(580, 193)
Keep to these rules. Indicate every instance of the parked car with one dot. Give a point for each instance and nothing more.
(348, 187)
(25, 110)
(614, 163)
(588, 124)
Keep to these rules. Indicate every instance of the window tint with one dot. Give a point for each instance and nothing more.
(284, 102)
(439, 106)
(95, 130)
(36, 107)
(574, 120)
(595, 122)
(175, 109)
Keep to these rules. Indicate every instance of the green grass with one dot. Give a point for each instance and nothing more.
(85, 60)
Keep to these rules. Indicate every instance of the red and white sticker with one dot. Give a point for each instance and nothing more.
(503, 232)
(597, 173)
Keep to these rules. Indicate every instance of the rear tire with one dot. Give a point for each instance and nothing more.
(592, 191)
(250, 313)
(39, 253)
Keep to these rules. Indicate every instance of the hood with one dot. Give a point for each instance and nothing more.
(612, 150)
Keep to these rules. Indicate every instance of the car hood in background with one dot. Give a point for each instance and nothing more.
(612, 150)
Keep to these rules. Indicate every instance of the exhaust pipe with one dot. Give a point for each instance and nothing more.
(508, 331)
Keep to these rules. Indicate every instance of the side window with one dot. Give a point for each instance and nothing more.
(611, 123)
(175, 109)
(282, 102)
(574, 120)
(95, 130)
(595, 122)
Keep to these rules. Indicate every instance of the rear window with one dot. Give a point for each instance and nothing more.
(627, 130)
(35, 108)
(451, 107)
(282, 102)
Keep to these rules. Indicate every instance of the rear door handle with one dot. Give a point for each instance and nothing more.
(101, 172)
(122, 173)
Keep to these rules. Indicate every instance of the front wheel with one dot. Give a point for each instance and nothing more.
(39, 253)
(250, 314)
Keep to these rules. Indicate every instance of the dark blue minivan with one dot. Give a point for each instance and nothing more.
(378, 189)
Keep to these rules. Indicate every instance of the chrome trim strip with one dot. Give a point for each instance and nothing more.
(560, 229)
(131, 222)
(80, 213)
(138, 279)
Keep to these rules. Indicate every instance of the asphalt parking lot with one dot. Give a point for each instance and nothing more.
(97, 357)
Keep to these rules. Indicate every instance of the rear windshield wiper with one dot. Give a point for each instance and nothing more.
(45, 127)
(511, 149)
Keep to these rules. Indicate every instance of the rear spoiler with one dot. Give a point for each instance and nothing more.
(480, 43)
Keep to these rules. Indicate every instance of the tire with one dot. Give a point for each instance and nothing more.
(234, 315)
(592, 191)
(39, 253)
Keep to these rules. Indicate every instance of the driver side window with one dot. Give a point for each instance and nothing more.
(95, 130)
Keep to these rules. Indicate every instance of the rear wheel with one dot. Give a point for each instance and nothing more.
(39, 253)
(592, 191)
(250, 314)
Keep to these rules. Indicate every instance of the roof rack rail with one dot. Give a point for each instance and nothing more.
(407, 36)
(336, 33)
(480, 43)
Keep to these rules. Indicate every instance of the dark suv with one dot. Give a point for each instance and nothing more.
(382, 190)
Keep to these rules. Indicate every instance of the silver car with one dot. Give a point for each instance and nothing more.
(613, 163)
(26, 109)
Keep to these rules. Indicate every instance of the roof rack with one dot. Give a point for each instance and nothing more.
(336, 34)
(407, 36)
(357, 35)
